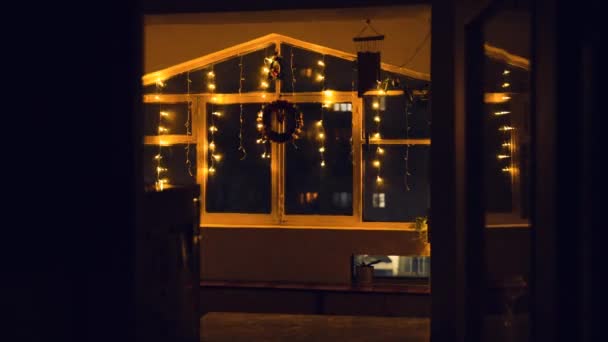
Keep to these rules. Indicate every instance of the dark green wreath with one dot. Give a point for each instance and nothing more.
(293, 129)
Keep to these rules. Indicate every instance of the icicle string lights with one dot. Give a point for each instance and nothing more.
(376, 135)
(241, 79)
(161, 181)
(214, 156)
(188, 124)
(408, 106)
(261, 140)
(320, 127)
(506, 152)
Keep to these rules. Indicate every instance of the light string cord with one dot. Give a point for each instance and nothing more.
(293, 85)
(321, 123)
(408, 106)
(188, 124)
(241, 79)
(160, 181)
(212, 129)
(506, 129)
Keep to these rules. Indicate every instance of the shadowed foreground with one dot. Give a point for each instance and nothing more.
(223, 326)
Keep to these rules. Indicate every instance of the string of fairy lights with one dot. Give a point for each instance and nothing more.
(214, 156)
(241, 79)
(264, 86)
(188, 123)
(408, 106)
(320, 124)
(379, 152)
(506, 151)
(161, 181)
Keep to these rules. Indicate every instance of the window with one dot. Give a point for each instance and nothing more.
(395, 158)
(332, 177)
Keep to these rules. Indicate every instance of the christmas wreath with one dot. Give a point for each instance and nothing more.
(284, 112)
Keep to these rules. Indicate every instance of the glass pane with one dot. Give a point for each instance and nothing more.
(173, 164)
(506, 124)
(240, 182)
(310, 75)
(321, 182)
(391, 110)
(398, 190)
(165, 118)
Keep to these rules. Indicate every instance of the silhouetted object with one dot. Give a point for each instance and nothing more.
(167, 267)
(368, 58)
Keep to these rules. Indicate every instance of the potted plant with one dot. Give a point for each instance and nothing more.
(421, 226)
(365, 271)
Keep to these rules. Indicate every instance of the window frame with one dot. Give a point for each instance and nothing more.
(277, 217)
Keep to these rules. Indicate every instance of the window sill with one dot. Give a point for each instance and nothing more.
(372, 226)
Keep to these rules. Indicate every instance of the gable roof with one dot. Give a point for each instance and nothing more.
(260, 43)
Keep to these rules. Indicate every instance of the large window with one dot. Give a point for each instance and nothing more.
(360, 162)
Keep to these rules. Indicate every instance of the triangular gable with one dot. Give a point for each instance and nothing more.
(260, 43)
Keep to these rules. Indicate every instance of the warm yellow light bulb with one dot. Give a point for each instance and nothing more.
(156, 97)
(213, 129)
(322, 163)
(376, 163)
(160, 83)
(506, 98)
(506, 144)
(264, 84)
(263, 96)
(375, 105)
(376, 118)
(380, 150)
(506, 169)
(376, 135)
(506, 128)
(502, 156)
(217, 113)
(162, 129)
(321, 149)
(379, 180)
(211, 170)
(503, 112)
(319, 123)
(381, 92)
(260, 126)
(259, 141)
(161, 169)
(211, 74)
(217, 157)
(265, 70)
(328, 93)
(165, 114)
(158, 156)
(212, 146)
(506, 85)
(506, 72)
(211, 86)
(321, 136)
(320, 77)
(321, 63)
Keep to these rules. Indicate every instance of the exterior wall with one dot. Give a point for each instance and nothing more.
(172, 39)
